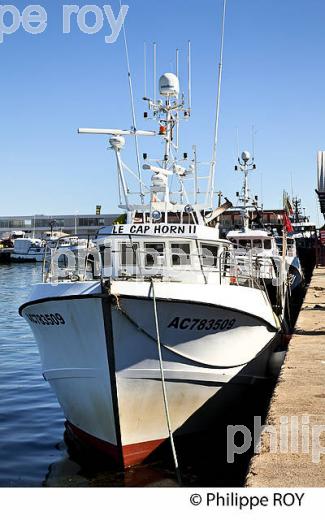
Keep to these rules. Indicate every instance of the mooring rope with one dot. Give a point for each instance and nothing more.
(163, 383)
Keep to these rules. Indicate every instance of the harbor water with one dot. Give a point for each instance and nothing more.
(31, 423)
(32, 447)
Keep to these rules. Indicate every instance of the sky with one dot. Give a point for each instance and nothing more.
(52, 83)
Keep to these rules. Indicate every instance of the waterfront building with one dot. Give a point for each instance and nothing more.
(82, 224)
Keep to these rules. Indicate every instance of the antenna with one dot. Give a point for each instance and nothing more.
(154, 72)
(253, 142)
(177, 118)
(134, 122)
(115, 132)
(145, 68)
(216, 128)
(189, 75)
(195, 174)
(237, 141)
(245, 165)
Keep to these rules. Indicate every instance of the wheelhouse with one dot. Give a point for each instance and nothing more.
(133, 257)
(260, 241)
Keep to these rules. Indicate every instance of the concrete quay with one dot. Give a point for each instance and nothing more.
(291, 451)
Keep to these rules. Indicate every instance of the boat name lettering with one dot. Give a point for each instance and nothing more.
(201, 324)
(46, 319)
(163, 229)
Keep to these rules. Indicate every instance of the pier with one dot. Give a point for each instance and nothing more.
(292, 446)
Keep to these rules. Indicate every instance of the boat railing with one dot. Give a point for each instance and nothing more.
(63, 259)
(131, 260)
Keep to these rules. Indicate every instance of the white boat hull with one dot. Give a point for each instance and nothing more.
(33, 257)
(99, 353)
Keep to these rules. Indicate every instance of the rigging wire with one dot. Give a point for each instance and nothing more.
(134, 122)
(145, 68)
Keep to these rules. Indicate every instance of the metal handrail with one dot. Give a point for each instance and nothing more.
(228, 265)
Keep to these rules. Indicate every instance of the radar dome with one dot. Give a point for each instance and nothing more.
(245, 156)
(117, 142)
(169, 85)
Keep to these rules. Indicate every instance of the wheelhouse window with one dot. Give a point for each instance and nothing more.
(257, 244)
(189, 218)
(128, 254)
(209, 255)
(244, 243)
(267, 244)
(181, 254)
(154, 254)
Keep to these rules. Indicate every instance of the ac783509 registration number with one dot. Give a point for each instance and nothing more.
(46, 319)
(202, 324)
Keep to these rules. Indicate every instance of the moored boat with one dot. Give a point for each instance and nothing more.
(162, 331)
(28, 250)
(273, 256)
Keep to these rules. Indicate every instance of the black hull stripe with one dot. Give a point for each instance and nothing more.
(107, 317)
(131, 297)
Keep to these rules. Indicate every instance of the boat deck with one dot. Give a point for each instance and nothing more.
(299, 398)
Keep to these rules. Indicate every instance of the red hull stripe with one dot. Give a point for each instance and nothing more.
(129, 455)
(137, 453)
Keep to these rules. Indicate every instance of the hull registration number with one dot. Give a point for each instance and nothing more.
(46, 319)
(201, 324)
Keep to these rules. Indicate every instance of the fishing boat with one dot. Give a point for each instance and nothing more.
(273, 256)
(305, 235)
(162, 332)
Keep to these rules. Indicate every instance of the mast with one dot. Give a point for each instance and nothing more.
(246, 164)
(168, 107)
(216, 126)
(297, 209)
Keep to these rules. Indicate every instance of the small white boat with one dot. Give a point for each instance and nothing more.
(28, 250)
(36, 249)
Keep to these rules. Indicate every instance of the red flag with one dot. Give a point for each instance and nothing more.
(287, 223)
